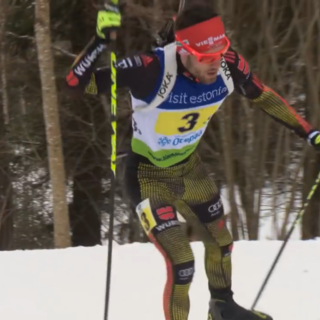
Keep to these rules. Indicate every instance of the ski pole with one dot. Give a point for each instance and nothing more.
(113, 160)
(298, 217)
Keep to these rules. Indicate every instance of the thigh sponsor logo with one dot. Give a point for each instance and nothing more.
(214, 209)
(167, 225)
(165, 213)
(209, 211)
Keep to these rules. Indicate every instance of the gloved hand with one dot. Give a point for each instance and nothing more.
(314, 140)
(108, 20)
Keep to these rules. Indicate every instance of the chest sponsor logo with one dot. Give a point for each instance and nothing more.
(226, 69)
(176, 141)
(165, 85)
(171, 155)
(204, 97)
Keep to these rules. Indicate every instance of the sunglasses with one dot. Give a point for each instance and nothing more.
(204, 57)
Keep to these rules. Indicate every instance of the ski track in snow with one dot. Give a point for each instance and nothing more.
(69, 283)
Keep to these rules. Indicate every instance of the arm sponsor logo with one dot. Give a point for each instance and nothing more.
(88, 60)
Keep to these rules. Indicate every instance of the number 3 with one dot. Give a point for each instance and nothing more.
(145, 221)
(192, 121)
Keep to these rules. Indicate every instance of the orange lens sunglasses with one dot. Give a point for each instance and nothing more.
(204, 57)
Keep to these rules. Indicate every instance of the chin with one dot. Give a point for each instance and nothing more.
(208, 80)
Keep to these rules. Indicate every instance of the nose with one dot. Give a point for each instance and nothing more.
(216, 64)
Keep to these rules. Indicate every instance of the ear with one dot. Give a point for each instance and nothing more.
(184, 59)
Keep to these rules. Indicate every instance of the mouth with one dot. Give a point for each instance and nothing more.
(212, 72)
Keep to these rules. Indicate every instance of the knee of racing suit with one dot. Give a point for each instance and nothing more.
(183, 272)
(211, 215)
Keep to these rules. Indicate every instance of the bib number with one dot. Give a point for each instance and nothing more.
(174, 123)
(146, 217)
(192, 119)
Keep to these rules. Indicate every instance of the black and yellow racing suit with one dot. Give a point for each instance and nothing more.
(185, 187)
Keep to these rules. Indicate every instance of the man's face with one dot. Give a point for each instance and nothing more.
(205, 72)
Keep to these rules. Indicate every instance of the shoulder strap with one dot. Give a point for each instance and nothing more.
(168, 80)
(226, 75)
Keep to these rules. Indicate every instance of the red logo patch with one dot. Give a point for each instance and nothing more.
(243, 65)
(72, 79)
(146, 60)
(220, 224)
(165, 213)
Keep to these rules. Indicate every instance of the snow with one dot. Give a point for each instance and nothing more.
(69, 283)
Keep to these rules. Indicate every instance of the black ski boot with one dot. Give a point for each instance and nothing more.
(228, 309)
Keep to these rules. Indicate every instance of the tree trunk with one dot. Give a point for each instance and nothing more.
(51, 114)
(86, 208)
(4, 93)
(225, 127)
(6, 216)
(247, 190)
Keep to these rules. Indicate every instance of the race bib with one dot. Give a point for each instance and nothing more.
(180, 122)
(146, 217)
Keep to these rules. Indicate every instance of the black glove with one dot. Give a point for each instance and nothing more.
(314, 139)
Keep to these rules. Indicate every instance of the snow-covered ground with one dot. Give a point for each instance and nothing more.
(69, 284)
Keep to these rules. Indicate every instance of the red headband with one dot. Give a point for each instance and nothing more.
(203, 36)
